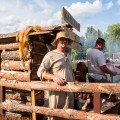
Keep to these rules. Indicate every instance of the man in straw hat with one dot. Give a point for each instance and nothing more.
(56, 67)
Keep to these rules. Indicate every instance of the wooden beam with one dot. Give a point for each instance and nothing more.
(97, 103)
(13, 75)
(2, 91)
(9, 46)
(48, 31)
(69, 19)
(62, 113)
(2, 98)
(33, 104)
(9, 35)
(10, 55)
(75, 39)
(18, 96)
(70, 87)
(14, 65)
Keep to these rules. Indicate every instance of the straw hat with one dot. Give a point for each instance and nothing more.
(61, 34)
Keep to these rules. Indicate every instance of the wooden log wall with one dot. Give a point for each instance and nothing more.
(11, 65)
(12, 68)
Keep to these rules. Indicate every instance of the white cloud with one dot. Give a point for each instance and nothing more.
(17, 14)
(86, 8)
(2, 9)
(109, 5)
(20, 14)
(118, 2)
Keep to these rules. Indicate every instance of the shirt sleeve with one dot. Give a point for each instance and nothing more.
(101, 59)
(44, 67)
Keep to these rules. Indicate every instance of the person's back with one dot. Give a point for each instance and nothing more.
(97, 66)
(95, 59)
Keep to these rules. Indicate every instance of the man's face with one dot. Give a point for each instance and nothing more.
(62, 44)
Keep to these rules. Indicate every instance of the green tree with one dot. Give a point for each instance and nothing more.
(114, 33)
(80, 54)
(109, 44)
(91, 36)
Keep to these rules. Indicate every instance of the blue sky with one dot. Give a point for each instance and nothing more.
(17, 14)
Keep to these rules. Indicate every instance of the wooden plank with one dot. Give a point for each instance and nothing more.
(72, 35)
(21, 96)
(97, 103)
(76, 39)
(10, 55)
(2, 98)
(48, 31)
(14, 65)
(69, 114)
(2, 91)
(9, 35)
(70, 87)
(14, 75)
(69, 19)
(33, 104)
(9, 46)
(75, 46)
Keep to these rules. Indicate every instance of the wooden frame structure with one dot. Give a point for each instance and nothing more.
(11, 65)
(17, 77)
(70, 87)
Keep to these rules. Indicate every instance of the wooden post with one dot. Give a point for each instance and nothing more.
(33, 104)
(2, 90)
(97, 102)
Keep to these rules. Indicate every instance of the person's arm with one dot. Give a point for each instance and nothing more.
(57, 79)
(107, 70)
(43, 72)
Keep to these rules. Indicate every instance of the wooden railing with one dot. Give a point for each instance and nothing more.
(96, 88)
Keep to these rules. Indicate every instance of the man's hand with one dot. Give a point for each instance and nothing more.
(58, 80)
(114, 73)
(108, 71)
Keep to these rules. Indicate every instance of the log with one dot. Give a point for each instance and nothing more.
(62, 113)
(9, 46)
(13, 35)
(15, 65)
(12, 55)
(2, 90)
(18, 96)
(13, 116)
(77, 87)
(7, 40)
(23, 96)
(15, 84)
(48, 31)
(13, 75)
(109, 88)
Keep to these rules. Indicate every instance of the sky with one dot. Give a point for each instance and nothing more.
(17, 14)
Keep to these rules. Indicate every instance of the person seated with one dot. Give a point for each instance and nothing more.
(80, 76)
